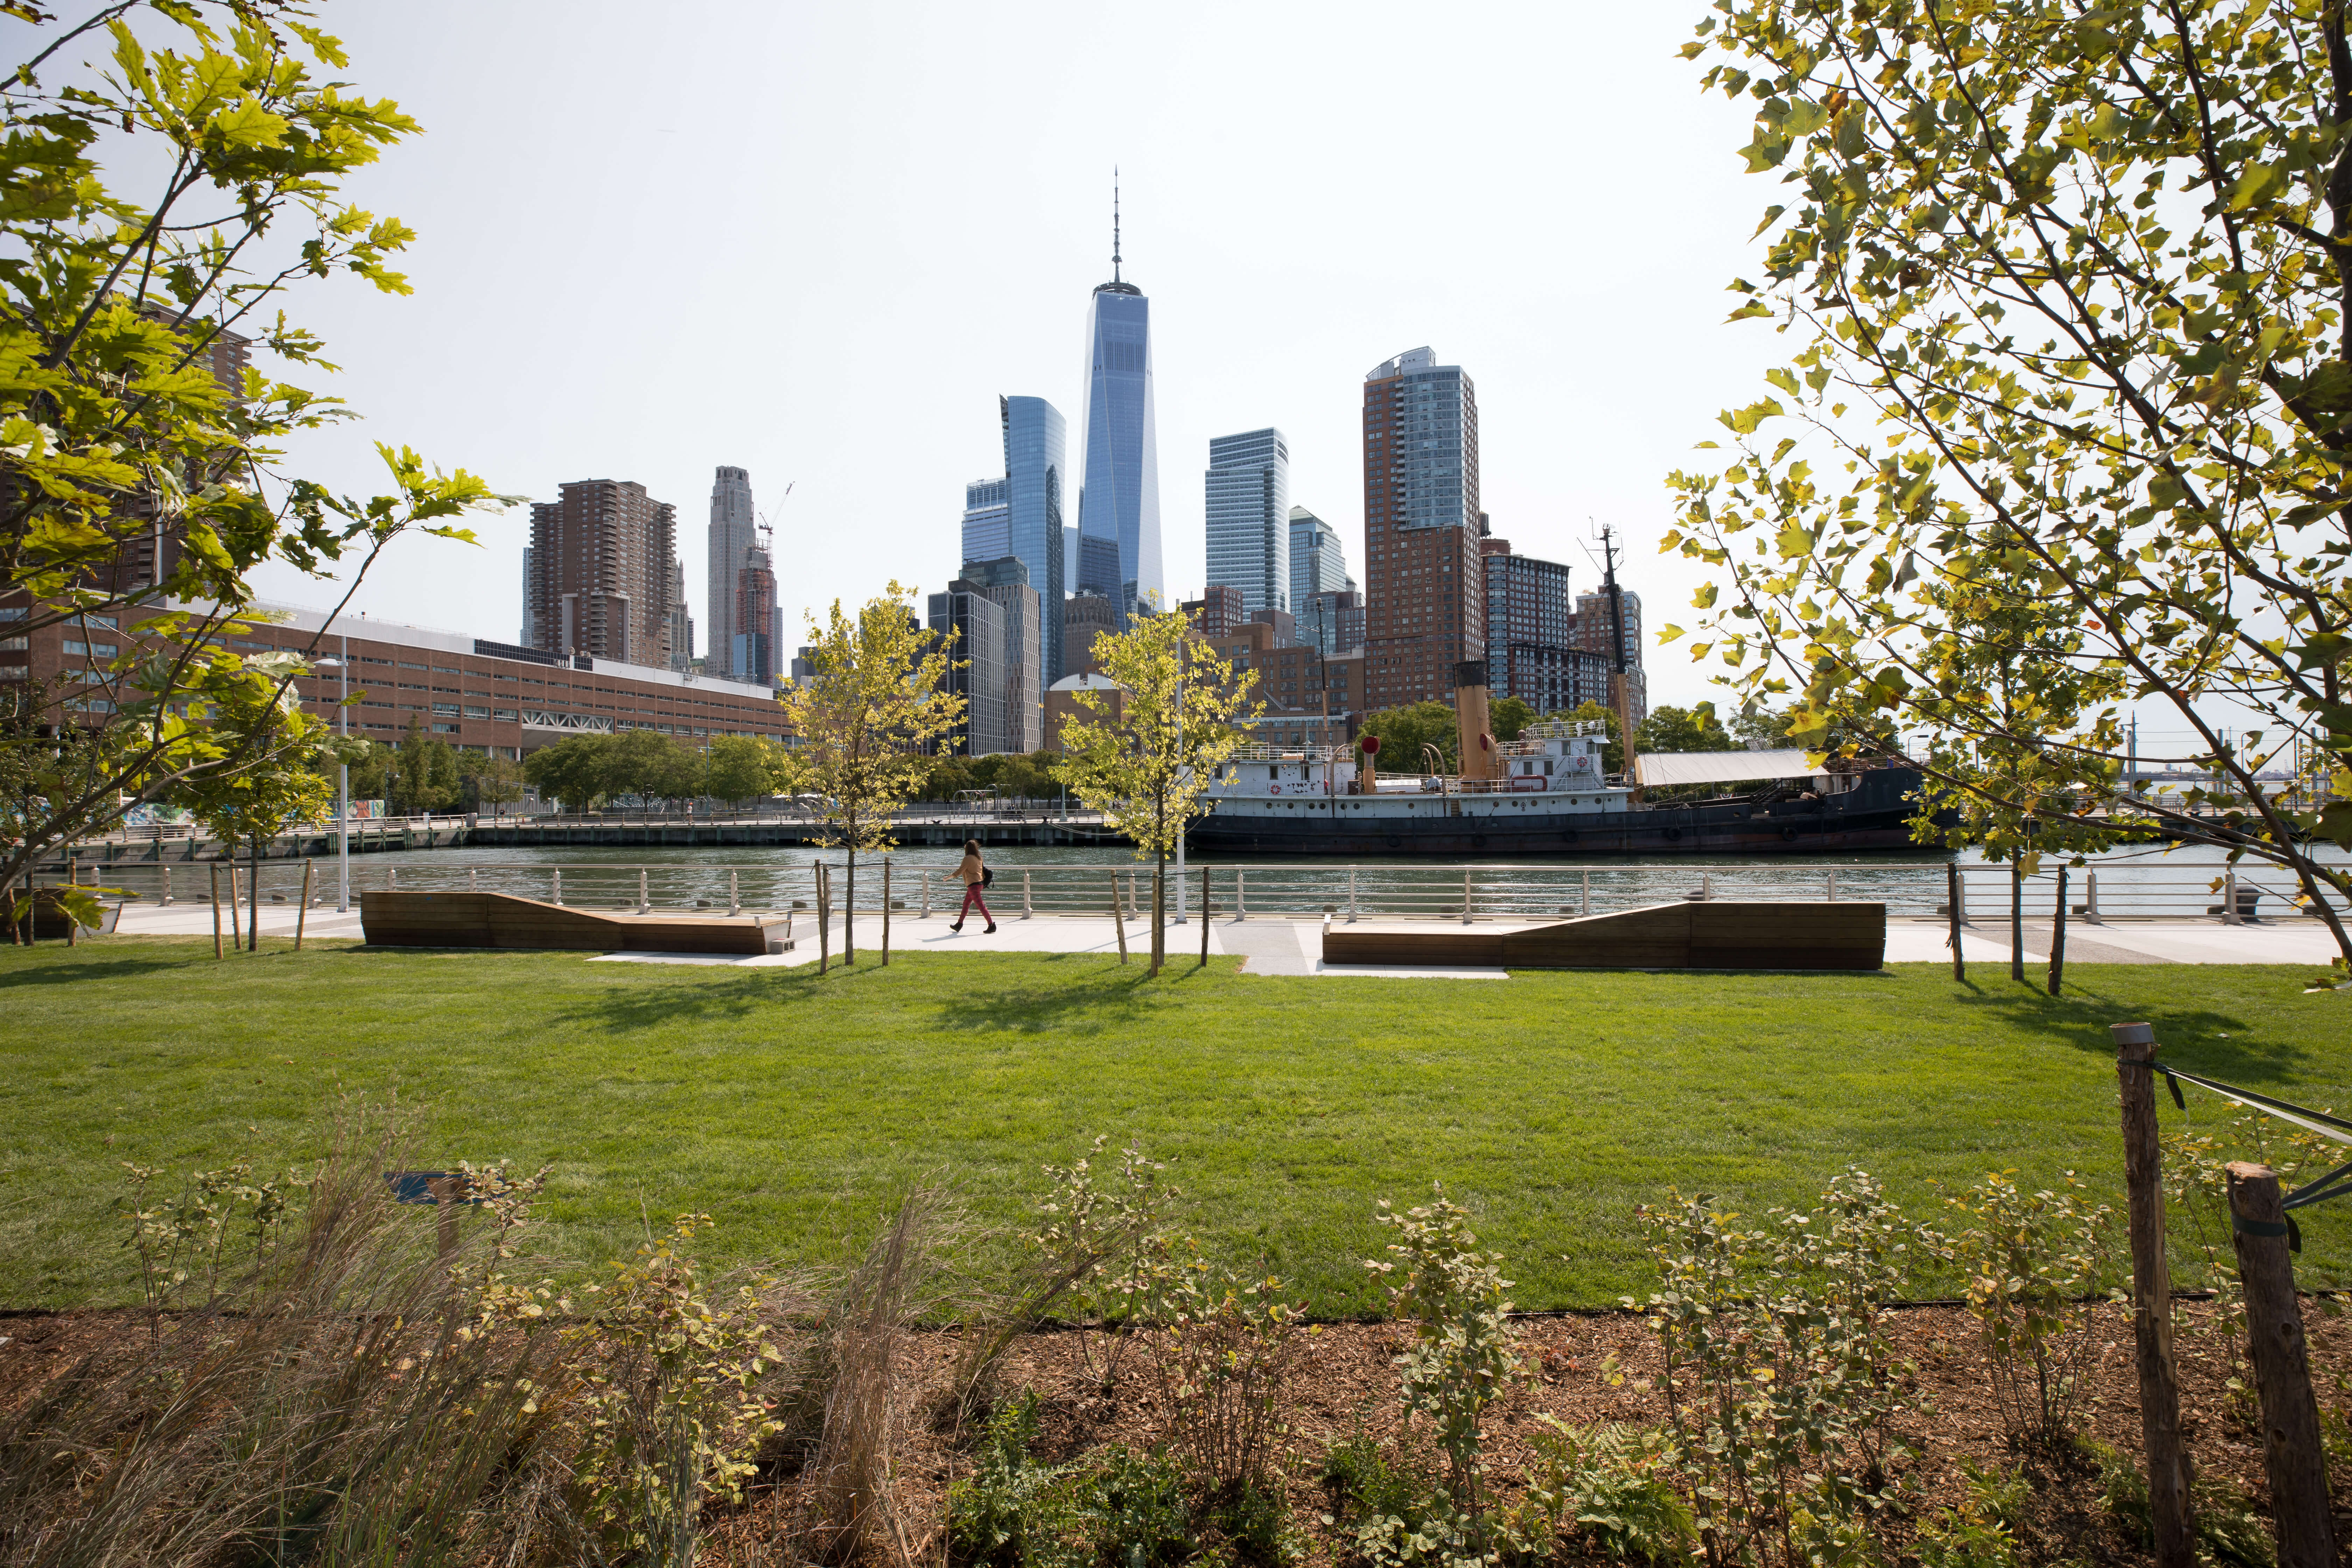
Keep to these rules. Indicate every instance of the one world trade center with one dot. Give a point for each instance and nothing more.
(1119, 509)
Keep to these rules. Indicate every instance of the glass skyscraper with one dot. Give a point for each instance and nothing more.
(1034, 484)
(1248, 485)
(1118, 509)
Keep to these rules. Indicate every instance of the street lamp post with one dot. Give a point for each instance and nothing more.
(342, 780)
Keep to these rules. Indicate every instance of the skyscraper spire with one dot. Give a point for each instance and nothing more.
(1113, 223)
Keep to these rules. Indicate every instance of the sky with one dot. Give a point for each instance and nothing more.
(817, 242)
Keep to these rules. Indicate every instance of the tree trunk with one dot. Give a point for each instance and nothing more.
(849, 910)
(253, 891)
(2016, 920)
(1159, 910)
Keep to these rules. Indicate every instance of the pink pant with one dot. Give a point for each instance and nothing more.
(970, 896)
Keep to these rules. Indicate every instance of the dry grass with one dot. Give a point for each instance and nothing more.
(339, 1402)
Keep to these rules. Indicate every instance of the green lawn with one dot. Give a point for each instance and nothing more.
(792, 1107)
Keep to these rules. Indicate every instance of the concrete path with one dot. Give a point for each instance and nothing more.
(1278, 946)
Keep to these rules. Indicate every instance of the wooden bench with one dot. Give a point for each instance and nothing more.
(504, 921)
(1692, 934)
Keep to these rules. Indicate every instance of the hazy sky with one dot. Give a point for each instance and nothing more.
(818, 241)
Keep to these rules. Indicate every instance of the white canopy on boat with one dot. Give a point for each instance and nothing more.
(1656, 769)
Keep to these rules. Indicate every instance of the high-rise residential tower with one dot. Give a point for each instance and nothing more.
(751, 651)
(1319, 565)
(530, 622)
(601, 559)
(1249, 486)
(1119, 509)
(1531, 633)
(732, 537)
(1426, 605)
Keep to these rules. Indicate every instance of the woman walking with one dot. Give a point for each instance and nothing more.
(975, 877)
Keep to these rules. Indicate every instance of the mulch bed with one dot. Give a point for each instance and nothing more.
(1345, 1383)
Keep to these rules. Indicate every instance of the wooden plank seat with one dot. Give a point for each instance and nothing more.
(502, 920)
(1692, 934)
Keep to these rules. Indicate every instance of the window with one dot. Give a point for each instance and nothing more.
(105, 622)
(14, 612)
(90, 650)
(505, 713)
(15, 645)
(474, 712)
(15, 672)
(405, 664)
(445, 729)
(445, 709)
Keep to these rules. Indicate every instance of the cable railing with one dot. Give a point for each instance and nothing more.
(1316, 891)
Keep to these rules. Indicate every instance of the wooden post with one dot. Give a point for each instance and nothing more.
(1952, 887)
(2292, 1457)
(445, 1191)
(304, 913)
(1118, 923)
(1159, 919)
(885, 911)
(2058, 936)
(1204, 916)
(2159, 1375)
(236, 893)
(217, 952)
(734, 900)
(824, 923)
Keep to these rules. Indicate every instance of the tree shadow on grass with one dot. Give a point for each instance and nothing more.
(84, 972)
(2189, 1038)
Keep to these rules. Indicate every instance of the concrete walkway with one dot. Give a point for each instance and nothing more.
(1271, 945)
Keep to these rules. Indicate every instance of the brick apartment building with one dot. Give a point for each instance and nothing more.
(604, 562)
(1426, 604)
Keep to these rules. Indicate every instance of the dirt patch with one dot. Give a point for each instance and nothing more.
(1578, 1369)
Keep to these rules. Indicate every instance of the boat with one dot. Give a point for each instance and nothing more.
(1545, 793)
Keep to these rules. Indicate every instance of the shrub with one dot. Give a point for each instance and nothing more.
(1117, 1507)
(669, 1406)
(1614, 1486)
(1461, 1356)
(2227, 1528)
(1981, 1530)
(2027, 1261)
(1221, 1350)
(1779, 1385)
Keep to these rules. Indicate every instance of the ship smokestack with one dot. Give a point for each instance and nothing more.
(1472, 724)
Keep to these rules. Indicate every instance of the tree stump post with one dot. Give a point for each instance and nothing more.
(2160, 1374)
(885, 911)
(2292, 1457)
(302, 912)
(823, 920)
(1118, 923)
(218, 952)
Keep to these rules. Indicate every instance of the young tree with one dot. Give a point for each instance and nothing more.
(250, 804)
(742, 767)
(2073, 291)
(1148, 769)
(118, 441)
(1673, 729)
(491, 780)
(573, 773)
(424, 776)
(868, 717)
(1407, 734)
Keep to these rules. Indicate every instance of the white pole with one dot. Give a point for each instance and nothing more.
(1241, 895)
(2091, 910)
(1024, 895)
(1180, 751)
(1466, 898)
(733, 906)
(1351, 895)
(1586, 906)
(1833, 884)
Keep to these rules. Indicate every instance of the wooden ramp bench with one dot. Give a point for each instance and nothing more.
(1692, 934)
(502, 920)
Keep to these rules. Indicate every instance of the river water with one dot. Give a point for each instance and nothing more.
(2134, 881)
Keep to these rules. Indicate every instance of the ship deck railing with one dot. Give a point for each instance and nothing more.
(922, 885)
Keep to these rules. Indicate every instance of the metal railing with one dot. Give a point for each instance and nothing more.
(919, 888)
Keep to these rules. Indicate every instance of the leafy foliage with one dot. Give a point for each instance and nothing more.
(876, 704)
(2069, 407)
(1148, 763)
(1613, 1486)
(121, 434)
(2027, 1260)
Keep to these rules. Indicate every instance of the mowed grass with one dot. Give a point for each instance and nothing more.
(794, 1108)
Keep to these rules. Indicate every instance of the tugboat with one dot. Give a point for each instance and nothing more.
(1544, 793)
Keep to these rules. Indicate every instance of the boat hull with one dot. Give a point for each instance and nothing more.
(1876, 815)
